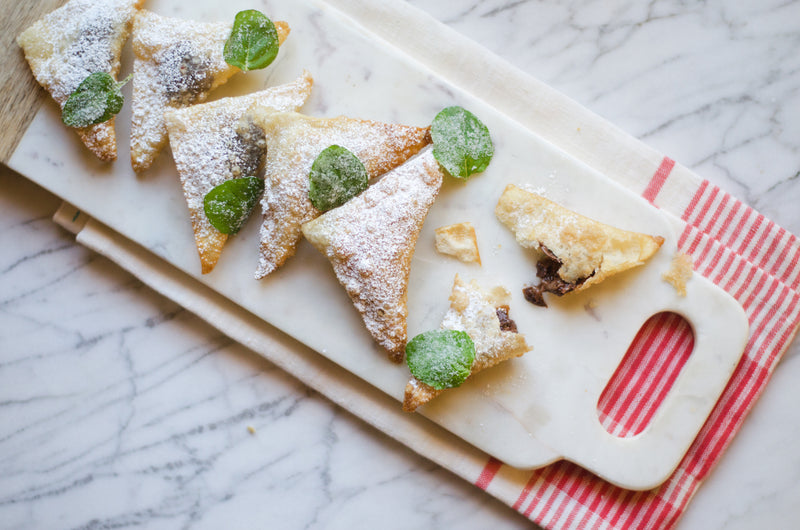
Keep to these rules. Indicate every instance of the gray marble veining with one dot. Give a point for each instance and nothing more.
(120, 409)
(714, 84)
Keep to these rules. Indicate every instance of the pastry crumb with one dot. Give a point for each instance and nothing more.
(679, 272)
(458, 240)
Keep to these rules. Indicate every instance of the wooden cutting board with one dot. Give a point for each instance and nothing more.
(21, 94)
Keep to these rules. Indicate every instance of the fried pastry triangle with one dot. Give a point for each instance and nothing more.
(370, 241)
(80, 38)
(176, 64)
(293, 143)
(209, 148)
(484, 317)
(578, 251)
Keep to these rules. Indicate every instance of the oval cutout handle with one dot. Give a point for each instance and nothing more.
(646, 374)
(645, 460)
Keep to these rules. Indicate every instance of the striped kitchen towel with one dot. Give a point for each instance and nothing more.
(737, 248)
(754, 260)
(747, 255)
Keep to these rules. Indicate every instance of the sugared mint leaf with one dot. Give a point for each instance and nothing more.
(253, 43)
(441, 358)
(96, 100)
(461, 142)
(336, 176)
(228, 205)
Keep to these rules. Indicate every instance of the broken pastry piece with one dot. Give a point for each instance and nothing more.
(176, 64)
(458, 240)
(577, 251)
(80, 38)
(370, 241)
(483, 315)
(210, 147)
(680, 272)
(293, 143)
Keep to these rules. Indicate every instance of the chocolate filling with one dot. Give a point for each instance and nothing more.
(534, 296)
(506, 324)
(549, 280)
(184, 74)
(89, 49)
(248, 150)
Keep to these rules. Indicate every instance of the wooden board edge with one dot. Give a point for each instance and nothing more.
(20, 94)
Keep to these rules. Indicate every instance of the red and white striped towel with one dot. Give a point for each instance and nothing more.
(740, 250)
(734, 246)
(758, 263)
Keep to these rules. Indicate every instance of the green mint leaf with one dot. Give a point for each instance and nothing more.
(96, 100)
(253, 43)
(461, 142)
(336, 176)
(228, 205)
(441, 358)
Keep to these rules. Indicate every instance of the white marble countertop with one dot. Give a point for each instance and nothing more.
(118, 408)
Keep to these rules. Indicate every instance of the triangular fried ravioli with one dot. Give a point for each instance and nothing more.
(577, 251)
(176, 64)
(209, 147)
(80, 38)
(293, 143)
(370, 241)
(483, 315)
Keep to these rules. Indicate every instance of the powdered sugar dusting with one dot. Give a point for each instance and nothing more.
(177, 63)
(370, 241)
(294, 141)
(208, 149)
(75, 40)
(80, 38)
(101, 139)
(473, 311)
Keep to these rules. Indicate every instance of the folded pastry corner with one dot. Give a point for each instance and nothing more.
(77, 39)
(177, 63)
(209, 147)
(370, 241)
(484, 316)
(577, 251)
(293, 143)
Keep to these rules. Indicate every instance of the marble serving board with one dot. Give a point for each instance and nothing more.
(527, 412)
